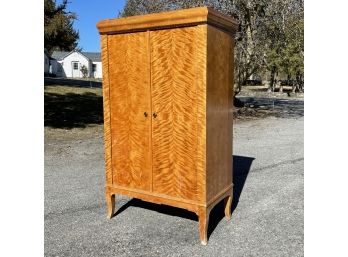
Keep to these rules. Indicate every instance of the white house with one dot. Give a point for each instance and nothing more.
(69, 64)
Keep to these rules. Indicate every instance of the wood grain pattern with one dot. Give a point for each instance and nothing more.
(203, 218)
(174, 99)
(227, 207)
(182, 156)
(110, 203)
(170, 19)
(156, 197)
(204, 212)
(201, 85)
(129, 99)
(106, 109)
(219, 109)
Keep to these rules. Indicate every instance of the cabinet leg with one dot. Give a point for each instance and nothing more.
(203, 218)
(110, 203)
(227, 204)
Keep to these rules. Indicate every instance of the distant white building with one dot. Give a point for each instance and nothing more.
(69, 64)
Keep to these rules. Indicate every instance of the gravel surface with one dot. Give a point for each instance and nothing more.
(267, 218)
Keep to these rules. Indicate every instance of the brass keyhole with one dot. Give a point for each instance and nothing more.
(154, 115)
(145, 114)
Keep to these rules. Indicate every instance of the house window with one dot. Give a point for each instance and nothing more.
(94, 67)
(76, 66)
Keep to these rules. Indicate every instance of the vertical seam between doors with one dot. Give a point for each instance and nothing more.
(150, 113)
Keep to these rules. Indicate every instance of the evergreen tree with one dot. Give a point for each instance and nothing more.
(59, 31)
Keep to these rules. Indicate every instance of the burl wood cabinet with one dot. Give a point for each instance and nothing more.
(167, 89)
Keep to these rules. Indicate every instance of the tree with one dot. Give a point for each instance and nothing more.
(248, 53)
(249, 49)
(58, 27)
(84, 71)
(294, 52)
(138, 7)
(284, 40)
(269, 39)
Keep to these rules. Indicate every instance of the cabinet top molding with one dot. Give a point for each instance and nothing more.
(172, 19)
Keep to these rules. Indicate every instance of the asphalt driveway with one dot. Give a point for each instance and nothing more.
(267, 218)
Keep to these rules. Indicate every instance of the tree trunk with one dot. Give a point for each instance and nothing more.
(268, 85)
(238, 82)
(272, 81)
(299, 82)
(238, 87)
(293, 87)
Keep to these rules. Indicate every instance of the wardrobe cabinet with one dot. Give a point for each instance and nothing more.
(167, 93)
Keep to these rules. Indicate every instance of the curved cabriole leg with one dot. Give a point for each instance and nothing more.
(228, 204)
(110, 203)
(203, 218)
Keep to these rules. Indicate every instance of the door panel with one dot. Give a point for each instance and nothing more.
(129, 99)
(75, 72)
(174, 130)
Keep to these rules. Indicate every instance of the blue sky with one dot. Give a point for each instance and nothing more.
(89, 12)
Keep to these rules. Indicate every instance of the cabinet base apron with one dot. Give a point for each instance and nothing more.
(202, 210)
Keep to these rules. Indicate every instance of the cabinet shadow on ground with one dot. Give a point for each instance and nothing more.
(241, 168)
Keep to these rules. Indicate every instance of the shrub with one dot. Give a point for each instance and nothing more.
(84, 71)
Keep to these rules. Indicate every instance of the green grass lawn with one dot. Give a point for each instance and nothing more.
(63, 90)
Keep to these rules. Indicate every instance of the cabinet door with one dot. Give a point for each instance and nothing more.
(129, 100)
(175, 75)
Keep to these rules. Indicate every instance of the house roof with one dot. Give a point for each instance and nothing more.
(93, 56)
(59, 55)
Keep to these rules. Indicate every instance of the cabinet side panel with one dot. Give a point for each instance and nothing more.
(219, 111)
(174, 99)
(129, 99)
(201, 71)
(106, 108)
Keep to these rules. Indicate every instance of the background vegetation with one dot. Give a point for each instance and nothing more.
(269, 40)
(58, 27)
